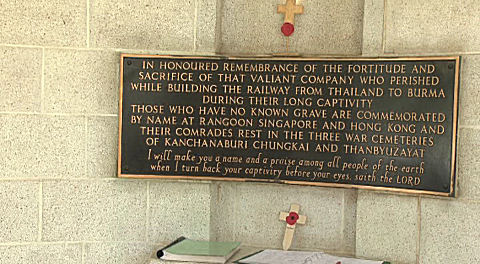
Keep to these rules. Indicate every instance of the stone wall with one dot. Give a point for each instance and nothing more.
(409, 229)
(59, 73)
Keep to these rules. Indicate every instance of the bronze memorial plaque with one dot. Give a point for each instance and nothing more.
(372, 123)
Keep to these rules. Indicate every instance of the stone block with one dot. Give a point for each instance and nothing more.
(257, 208)
(373, 28)
(469, 98)
(19, 211)
(468, 164)
(94, 210)
(223, 217)
(46, 146)
(118, 253)
(45, 253)
(43, 22)
(81, 81)
(208, 13)
(432, 26)
(387, 227)
(178, 209)
(102, 146)
(449, 232)
(20, 79)
(253, 27)
(144, 24)
(350, 220)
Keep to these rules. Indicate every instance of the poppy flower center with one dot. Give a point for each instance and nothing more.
(292, 218)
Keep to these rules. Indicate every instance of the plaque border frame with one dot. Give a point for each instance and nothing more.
(453, 174)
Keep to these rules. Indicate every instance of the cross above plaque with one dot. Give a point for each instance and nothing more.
(292, 218)
(289, 9)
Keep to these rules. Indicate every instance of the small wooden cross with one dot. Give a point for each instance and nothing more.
(292, 218)
(290, 9)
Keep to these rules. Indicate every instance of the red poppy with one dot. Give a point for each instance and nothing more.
(292, 218)
(287, 29)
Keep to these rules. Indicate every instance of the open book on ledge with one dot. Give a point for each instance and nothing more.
(272, 256)
(256, 255)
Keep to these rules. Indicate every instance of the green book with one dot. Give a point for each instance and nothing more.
(201, 251)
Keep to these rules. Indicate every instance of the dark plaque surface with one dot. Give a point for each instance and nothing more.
(387, 124)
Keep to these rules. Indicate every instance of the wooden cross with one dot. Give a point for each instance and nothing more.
(292, 218)
(290, 9)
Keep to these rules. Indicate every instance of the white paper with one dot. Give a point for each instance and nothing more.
(270, 256)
